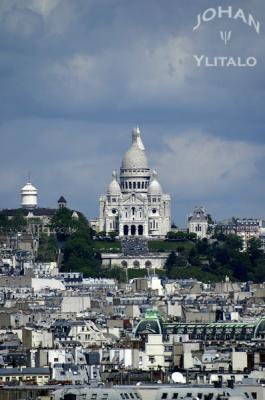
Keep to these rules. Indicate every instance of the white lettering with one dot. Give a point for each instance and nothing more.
(198, 22)
(212, 14)
(255, 24)
(221, 61)
(251, 61)
(231, 62)
(223, 11)
(240, 14)
(198, 59)
(220, 12)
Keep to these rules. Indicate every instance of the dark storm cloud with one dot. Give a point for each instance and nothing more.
(75, 76)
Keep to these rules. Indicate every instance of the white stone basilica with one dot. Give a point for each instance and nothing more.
(135, 206)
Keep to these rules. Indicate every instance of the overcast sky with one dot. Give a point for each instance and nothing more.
(77, 75)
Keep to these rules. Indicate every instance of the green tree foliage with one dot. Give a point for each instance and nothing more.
(64, 224)
(254, 249)
(15, 224)
(116, 273)
(181, 236)
(48, 248)
(79, 254)
(218, 258)
(173, 262)
(3, 222)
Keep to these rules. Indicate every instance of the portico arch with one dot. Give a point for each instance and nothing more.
(125, 230)
(140, 230)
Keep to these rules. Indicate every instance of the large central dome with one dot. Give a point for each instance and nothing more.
(135, 157)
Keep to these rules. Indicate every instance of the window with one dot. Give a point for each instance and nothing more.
(164, 396)
(138, 185)
(134, 185)
(254, 395)
(175, 396)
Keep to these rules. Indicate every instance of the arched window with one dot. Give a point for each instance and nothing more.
(124, 264)
(125, 230)
(142, 185)
(134, 185)
(133, 230)
(136, 264)
(138, 185)
(133, 210)
(130, 185)
(148, 264)
(140, 230)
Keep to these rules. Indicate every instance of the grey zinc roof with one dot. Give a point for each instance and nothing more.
(24, 371)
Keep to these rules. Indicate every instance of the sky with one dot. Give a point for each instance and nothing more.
(77, 75)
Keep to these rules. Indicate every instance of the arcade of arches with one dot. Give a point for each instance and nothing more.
(133, 230)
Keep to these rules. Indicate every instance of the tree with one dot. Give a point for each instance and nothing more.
(3, 222)
(64, 224)
(171, 262)
(254, 249)
(203, 247)
(18, 222)
(192, 236)
(48, 248)
(240, 264)
(234, 242)
(221, 255)
(209, 219)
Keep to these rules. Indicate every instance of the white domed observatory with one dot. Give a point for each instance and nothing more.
(29, 196)
(135, 205)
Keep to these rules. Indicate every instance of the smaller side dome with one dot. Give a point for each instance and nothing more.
(114, 187)
(155, 188)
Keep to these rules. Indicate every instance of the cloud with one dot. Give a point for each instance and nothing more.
(76, 76)
(198, 164)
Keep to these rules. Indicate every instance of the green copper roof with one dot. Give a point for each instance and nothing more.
(152, 314)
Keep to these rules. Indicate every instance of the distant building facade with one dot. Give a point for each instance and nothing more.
(246, 229)
(135, 205)
(198, 223)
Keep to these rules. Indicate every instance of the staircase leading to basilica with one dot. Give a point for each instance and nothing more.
(134, 246)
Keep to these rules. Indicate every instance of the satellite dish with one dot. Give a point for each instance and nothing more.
(177, 377)
(138, 383)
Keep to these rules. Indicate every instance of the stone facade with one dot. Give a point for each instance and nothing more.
(198, 223)
(136, 205)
